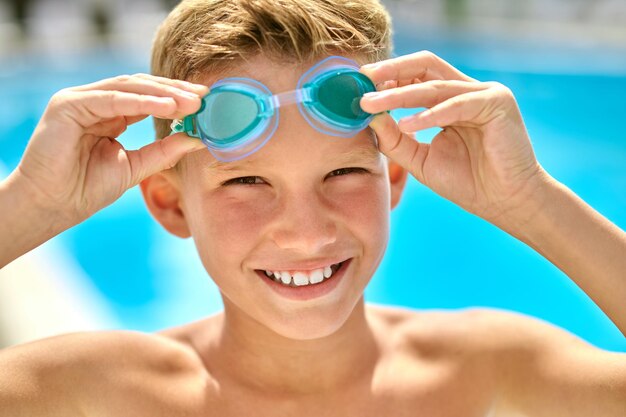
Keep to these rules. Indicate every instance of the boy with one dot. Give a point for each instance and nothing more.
(303, 203)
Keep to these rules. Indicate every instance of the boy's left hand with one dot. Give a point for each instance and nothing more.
(482, 160)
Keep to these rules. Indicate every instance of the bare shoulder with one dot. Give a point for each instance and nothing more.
(100, 349)
(75, 372)
(441, 329)
(496, 343)
(515, 363)
(476, 328)
(527, 365)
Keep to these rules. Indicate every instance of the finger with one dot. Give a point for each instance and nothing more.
(427, 94)
(402, 148)
(469, 109)
(423, 65)
(198, 89)
(90, 107)
(160, 155)
(139, 84)
(387, 85)
(114, 127)
(131, 120)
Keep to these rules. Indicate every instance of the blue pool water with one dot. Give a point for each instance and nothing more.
(439, 256)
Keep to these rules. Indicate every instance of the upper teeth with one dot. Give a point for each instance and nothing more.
(299, 278)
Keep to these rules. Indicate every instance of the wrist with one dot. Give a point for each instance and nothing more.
(527, 216)
(26, 219)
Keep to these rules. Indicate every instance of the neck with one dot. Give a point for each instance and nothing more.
(247, 353)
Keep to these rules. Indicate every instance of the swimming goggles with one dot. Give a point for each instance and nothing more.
(239, 115)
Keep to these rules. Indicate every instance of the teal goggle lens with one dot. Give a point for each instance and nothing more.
(227, 116)
(336, 99)
(239, 115)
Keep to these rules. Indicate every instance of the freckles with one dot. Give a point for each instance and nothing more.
(367, 204)
(239, 217)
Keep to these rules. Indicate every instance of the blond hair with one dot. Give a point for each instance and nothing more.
(209, 36)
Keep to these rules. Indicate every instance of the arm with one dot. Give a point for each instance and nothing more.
(32, 381)
(99, 373)
(582, 243)
(24, 221)
(483, 161)
(73, 166)
(545, 371)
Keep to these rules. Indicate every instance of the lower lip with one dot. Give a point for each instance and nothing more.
(307, 292)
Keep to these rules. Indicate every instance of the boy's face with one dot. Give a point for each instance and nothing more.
(299, 212)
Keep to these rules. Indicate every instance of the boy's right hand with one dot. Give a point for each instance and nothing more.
(73, 165)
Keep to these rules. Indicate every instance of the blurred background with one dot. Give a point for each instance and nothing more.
(564, 60)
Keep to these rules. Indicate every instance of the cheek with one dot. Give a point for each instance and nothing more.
(234, 217)
(364, 203)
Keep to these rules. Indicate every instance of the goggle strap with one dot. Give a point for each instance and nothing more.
(301, 95)
(187, 125)
(176, 126)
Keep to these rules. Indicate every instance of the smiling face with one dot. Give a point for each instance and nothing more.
(303, 202)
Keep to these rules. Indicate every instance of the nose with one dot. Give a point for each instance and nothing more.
(304, 224)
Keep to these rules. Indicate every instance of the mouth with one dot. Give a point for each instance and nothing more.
(303, 278)
(303, 285)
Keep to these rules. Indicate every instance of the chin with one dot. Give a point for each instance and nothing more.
(314, 325)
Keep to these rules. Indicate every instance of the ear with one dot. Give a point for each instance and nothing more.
(163, 198)
(397, 181)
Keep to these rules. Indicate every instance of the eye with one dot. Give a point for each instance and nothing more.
(350, 170)
(243, 181)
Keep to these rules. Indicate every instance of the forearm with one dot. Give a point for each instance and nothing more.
(582, 243)
(25, 223)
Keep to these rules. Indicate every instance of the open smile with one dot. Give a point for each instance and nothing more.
(304, 285)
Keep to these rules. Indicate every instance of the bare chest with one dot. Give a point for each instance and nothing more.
(439, 390)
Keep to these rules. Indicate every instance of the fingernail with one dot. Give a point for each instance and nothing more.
(194, 85)
(164, 100)
(376, 95)
(370, 66)
(189, 94)
(376, 122)
(406, 119)
(407, 124)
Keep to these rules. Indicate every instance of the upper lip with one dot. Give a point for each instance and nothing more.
(309, 265)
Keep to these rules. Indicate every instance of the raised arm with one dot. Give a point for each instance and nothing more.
(582, 243)
(73, 165)
(484, 162)
(543, 371)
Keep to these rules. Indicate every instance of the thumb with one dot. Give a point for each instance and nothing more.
(160, 155)
(398, 146)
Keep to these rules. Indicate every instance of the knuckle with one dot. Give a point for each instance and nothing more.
(501, 89)
(61, 100)
(168, 161)
(439, 84)
(456, 102)
(428, 55)
(112, 97)
(140, 75)
(60, 97)
(425, 53)
(122, 78)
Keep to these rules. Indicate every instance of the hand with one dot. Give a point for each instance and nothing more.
(482, 160)
(73, 164)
